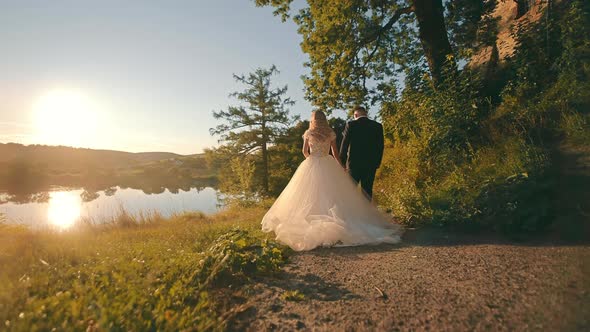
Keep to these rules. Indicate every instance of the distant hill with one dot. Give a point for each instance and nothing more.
(27, 170)
(68, 157)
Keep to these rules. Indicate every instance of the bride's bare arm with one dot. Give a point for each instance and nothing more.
(335, 153)
(305, 149)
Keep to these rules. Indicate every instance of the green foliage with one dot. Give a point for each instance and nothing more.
(240, 185)
(426, 171)
(418, 195)
(239, 177)
(263, 113)
(475, 147)
(250, 127)
(132, 278)
(520, 202)
(446, 166)
(547, 94)
(295, 296)
(286, 156)
(282, 7)
(236, 256)
(240, 182)
(357, 48)
(459, 158)
(471, 25)
(445, 121)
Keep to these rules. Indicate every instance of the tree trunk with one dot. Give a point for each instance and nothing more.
(265, 168)
(433, 35)
(264, 159)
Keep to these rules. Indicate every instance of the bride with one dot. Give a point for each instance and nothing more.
(321, 205)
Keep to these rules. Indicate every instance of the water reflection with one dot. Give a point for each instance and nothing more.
(40, 194)
(64, 208)
(89, 196)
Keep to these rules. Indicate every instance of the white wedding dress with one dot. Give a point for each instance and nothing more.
(322, 206)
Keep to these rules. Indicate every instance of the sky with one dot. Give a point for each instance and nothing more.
(135, 75)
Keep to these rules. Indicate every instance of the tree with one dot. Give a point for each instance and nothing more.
(286, 156)
(255, 124)
(357, 48)
(433, 35)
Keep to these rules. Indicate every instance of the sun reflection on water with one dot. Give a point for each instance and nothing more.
(64, 208)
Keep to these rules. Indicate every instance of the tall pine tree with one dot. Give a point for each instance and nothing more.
(260, 118)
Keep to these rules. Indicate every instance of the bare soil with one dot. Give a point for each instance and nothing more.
(447, 284)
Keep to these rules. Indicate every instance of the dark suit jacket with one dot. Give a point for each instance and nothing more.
(362, 144)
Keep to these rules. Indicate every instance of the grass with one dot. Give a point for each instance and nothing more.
(294, 295)
(419, 192)
(130, 274)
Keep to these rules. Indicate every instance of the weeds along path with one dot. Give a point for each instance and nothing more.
(571, 171)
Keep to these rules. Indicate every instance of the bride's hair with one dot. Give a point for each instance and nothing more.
(319, 128)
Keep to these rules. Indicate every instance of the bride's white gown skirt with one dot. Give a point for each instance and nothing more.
(321, 206)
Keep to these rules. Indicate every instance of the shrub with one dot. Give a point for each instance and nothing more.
(457, 157)
(236, 256)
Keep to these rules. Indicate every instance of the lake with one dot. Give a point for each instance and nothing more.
(62, 208)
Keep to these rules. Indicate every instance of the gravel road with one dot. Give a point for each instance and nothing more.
(433, 281)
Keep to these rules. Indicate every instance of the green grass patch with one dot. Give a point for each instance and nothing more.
(168, 274)
(295, 295)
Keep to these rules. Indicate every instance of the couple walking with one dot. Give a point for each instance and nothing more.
(321, 205)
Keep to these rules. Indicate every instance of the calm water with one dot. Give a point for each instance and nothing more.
(63, 207)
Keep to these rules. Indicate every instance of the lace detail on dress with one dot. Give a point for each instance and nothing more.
(320, 148)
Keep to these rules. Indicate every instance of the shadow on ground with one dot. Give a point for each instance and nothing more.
(311, 286)
(445, 236)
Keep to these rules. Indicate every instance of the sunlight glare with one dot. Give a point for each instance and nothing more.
(65, 117)
(64, 209)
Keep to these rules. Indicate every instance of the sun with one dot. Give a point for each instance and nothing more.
(65, 117)
(64, 209)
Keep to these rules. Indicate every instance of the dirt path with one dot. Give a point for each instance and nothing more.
(450, 284)
(572, 192)
(441, 281)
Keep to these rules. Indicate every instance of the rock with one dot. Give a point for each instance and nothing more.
(508, 14)
(299, 325)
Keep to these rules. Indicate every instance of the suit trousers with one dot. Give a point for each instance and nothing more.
(365, 177)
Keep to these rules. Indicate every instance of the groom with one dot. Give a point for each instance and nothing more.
(362, 149)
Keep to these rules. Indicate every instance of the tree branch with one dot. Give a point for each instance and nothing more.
(396, 16)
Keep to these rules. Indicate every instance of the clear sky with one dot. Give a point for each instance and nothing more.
(134, 75)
